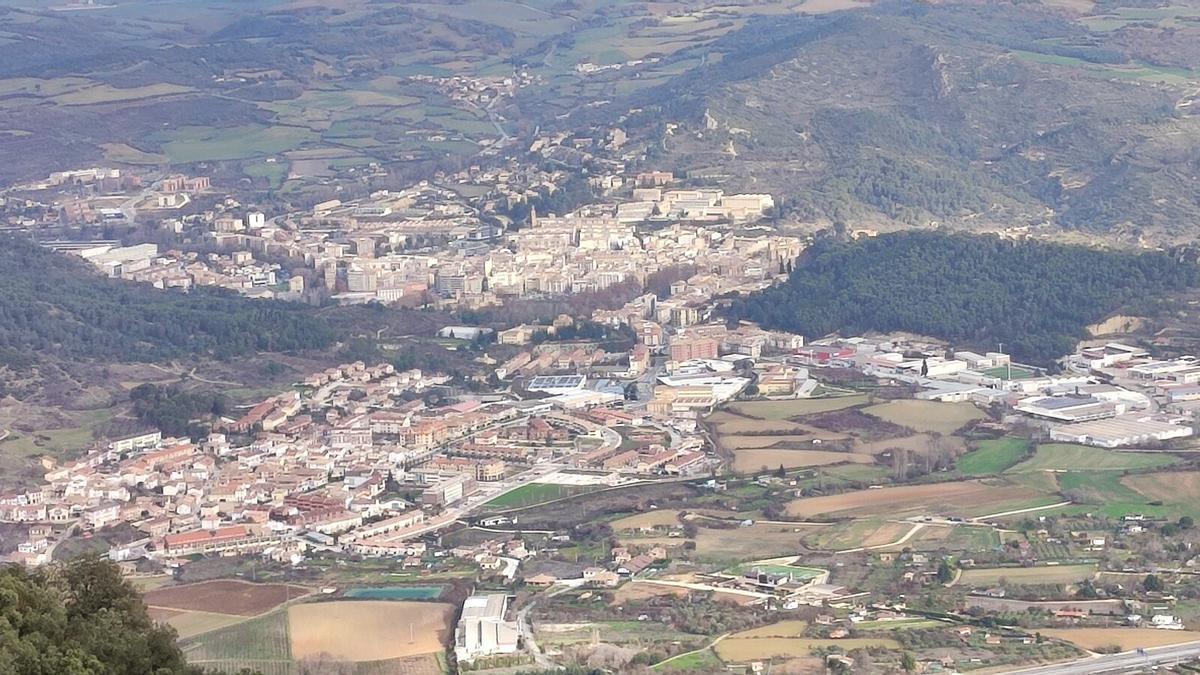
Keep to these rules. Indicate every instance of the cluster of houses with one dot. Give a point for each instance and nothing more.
(318, 466)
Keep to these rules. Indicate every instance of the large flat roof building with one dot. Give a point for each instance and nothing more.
(482, 630)
(1122, 431)
(1069, 408)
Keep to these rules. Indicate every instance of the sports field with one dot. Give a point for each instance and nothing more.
(1006, 373)
(395, 593)
(535, 493)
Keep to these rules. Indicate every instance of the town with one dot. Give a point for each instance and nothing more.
(856, 494)
(835, 457)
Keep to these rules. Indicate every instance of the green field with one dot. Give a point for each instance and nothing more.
(103, 93)
(263, 645)
(1099, 487)
(963, 538)
(703, 661)
(1067, 457)
(127, 154)
(855, 533)
(18, 448)
(1141, 71)
(993, 456)
(198, 144)
(274, 172)
(1166, 17)
(262, 639)
(1110, 494)
(536, 493)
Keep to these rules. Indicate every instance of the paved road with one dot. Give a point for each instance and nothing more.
(526, 631)
(1125, 662)
(1020, 511)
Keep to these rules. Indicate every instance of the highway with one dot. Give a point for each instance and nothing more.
(1125, 662)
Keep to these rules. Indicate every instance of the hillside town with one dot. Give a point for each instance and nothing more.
(937, 506)
(644, 450)
(425, 245)
(363, 462)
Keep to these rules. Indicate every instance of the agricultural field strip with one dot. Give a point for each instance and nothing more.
(188, 603)
(917, 527)
(710, 645)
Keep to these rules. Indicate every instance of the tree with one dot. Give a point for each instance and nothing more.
(81, 617)
(945, 572)
(781, 472)
(908, 662)
(1152, 584)
(1186, 523)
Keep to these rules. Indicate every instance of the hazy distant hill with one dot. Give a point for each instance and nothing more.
(977, 113)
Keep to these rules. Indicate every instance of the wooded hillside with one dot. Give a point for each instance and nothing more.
(1035, 297)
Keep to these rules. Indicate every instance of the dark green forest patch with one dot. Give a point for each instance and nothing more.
(1035, 297)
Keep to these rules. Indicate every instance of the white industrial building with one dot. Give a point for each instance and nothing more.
(482, 630)
(1122, 431)
(1069, 408)
(121, 260)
